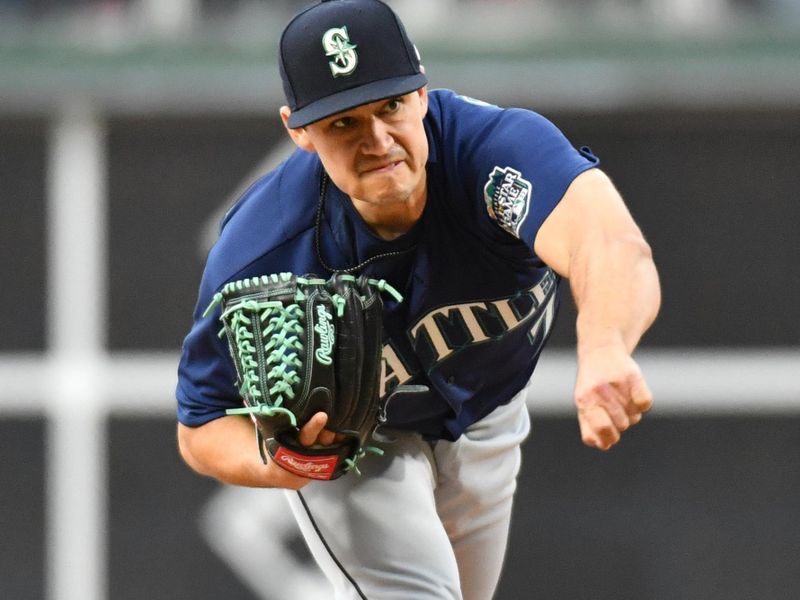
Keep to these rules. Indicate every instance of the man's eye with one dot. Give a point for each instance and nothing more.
(393, 105)
(342, 123)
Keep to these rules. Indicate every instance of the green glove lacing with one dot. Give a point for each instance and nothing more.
(381, 284)
(350, 463)
(280, 344)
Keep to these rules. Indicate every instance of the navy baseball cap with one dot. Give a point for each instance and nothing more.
(339, 54)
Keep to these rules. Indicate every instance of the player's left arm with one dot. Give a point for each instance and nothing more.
(591, 238)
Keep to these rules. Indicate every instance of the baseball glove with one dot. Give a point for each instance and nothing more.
(302, 345)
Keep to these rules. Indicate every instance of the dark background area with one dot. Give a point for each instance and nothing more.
(22, 497)
(22, 233)
(690, 508)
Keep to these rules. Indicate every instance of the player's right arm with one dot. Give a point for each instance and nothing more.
(225, 449)
(591, 239)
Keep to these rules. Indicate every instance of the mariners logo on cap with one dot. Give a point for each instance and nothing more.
(336, 43)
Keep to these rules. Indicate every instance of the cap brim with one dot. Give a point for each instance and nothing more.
(347, 99)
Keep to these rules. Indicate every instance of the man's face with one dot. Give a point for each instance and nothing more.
(375, 153)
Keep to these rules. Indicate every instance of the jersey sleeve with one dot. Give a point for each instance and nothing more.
(515, 163)
(206, 374)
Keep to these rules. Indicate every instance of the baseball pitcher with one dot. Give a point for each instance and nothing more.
(375, 307)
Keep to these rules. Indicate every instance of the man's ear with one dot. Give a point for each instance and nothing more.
(423, 98)
(299, 135)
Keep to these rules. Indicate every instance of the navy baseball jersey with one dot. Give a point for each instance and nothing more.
(478, 303)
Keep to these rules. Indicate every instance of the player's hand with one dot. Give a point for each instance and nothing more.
(611, 395)
(313, 433)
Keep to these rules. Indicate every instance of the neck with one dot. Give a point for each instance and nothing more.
(390, 222)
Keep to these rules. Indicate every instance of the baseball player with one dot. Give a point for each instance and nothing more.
(473, 213)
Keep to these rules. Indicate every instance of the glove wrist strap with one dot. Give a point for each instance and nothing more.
(323, 463)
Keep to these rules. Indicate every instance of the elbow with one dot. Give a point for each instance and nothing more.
(630, 248)
(633, 255)
(636, 245)
(647, 275)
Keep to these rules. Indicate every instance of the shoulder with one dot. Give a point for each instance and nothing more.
(276, 208)
(464, 132)
(452, 116)
(446, 102)
(269, 195)
(460, 114)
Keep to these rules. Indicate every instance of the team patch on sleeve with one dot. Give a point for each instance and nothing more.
(508, 198)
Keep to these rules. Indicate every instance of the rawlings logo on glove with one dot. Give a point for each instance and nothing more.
(327, 333)
(302, 345)
(306, 466)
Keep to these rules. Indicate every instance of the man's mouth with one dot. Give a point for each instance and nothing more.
(384, 168)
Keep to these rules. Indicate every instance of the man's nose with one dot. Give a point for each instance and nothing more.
(377, 139)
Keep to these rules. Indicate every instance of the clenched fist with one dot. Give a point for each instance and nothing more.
(611, 395)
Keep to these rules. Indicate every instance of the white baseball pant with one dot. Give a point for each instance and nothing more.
(425, 521)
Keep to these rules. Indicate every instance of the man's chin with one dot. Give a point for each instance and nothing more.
(387, 199)
(386, 192)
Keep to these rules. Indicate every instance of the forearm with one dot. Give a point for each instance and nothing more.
(226, 449)
(616, 290)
